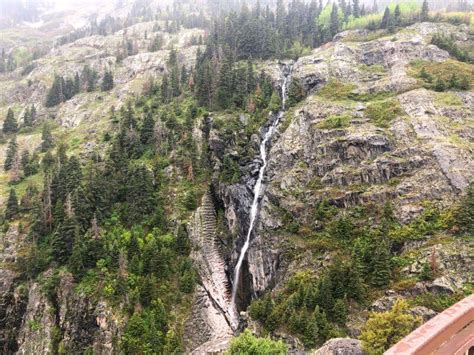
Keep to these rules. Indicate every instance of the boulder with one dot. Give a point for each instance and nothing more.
(442, 286)
(340, 346)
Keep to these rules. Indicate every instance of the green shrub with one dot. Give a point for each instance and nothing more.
(230, 172)
(382, 112)
(451, 74)
(248, 344)
(449, 44)
(295, 93)
(437, 303)
(465, 213)
(384, 329)
(336, 90)
(334, 121)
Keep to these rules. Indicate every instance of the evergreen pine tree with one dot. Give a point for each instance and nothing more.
(340, 311)
(465, 214)
(184, 77)
(47, 162)
(10, 157)
(397, 16)
(77, 83)
(424, 15)
(165, 90)
(32, 114)
(334, 25)
(251, 80)
(174, 78)
(295, 93)
(440, 85)
(453, 81)
(425, 75)
(386, 19)
(325, 297)
(355, 8)
(26, 118)
(25, 161)
(63, 239)
(11, 209)
(107, 81)
(464, 83)
(55, 94)
(225, 81)
(322, 324)
(73, 174)
(10, 124)
(381, 266)
(147, 129)
(240, 87)
(46, 138)
(69, 90)
(90, 76)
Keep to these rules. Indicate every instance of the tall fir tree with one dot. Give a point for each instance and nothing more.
(46, 138)
(147, 129)
(107, 81)
(465, 213)
(55, 94)
(397, 16)
(334, 25)
(386, 19)
(63, 239)
(27, 118)
(25, 162)
(424, 15)
(381, 273)
(355, 8)
(10, 124)
(165, 89)
(225, 82)
(33, 114)
(12, 151)
(11, 209)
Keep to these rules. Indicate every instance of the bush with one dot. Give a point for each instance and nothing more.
(248, 344)
(384, 329)
(437, 303)
(382, 112)
(336, 90)
(465, 213)
(451, 74)
(448, 44)
(334, 121)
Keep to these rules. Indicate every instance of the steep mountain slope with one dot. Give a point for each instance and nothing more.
(366, 135)
(366, 174)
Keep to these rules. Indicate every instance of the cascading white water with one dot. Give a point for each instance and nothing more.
(259, 184)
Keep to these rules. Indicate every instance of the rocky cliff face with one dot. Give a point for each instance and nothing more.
(423, 153)
(211, 317)
(57, 318)
(413, 159)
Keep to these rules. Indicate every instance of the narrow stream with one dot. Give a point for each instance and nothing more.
(257, 190)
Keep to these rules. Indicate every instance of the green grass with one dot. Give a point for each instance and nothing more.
(335, 121)
(336, 90)
(383, 112)
(374, 69)
(448, 99)
(443, 70)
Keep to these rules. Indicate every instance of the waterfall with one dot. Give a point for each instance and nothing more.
(257, 189)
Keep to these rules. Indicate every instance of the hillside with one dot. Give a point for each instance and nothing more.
(142, 153)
